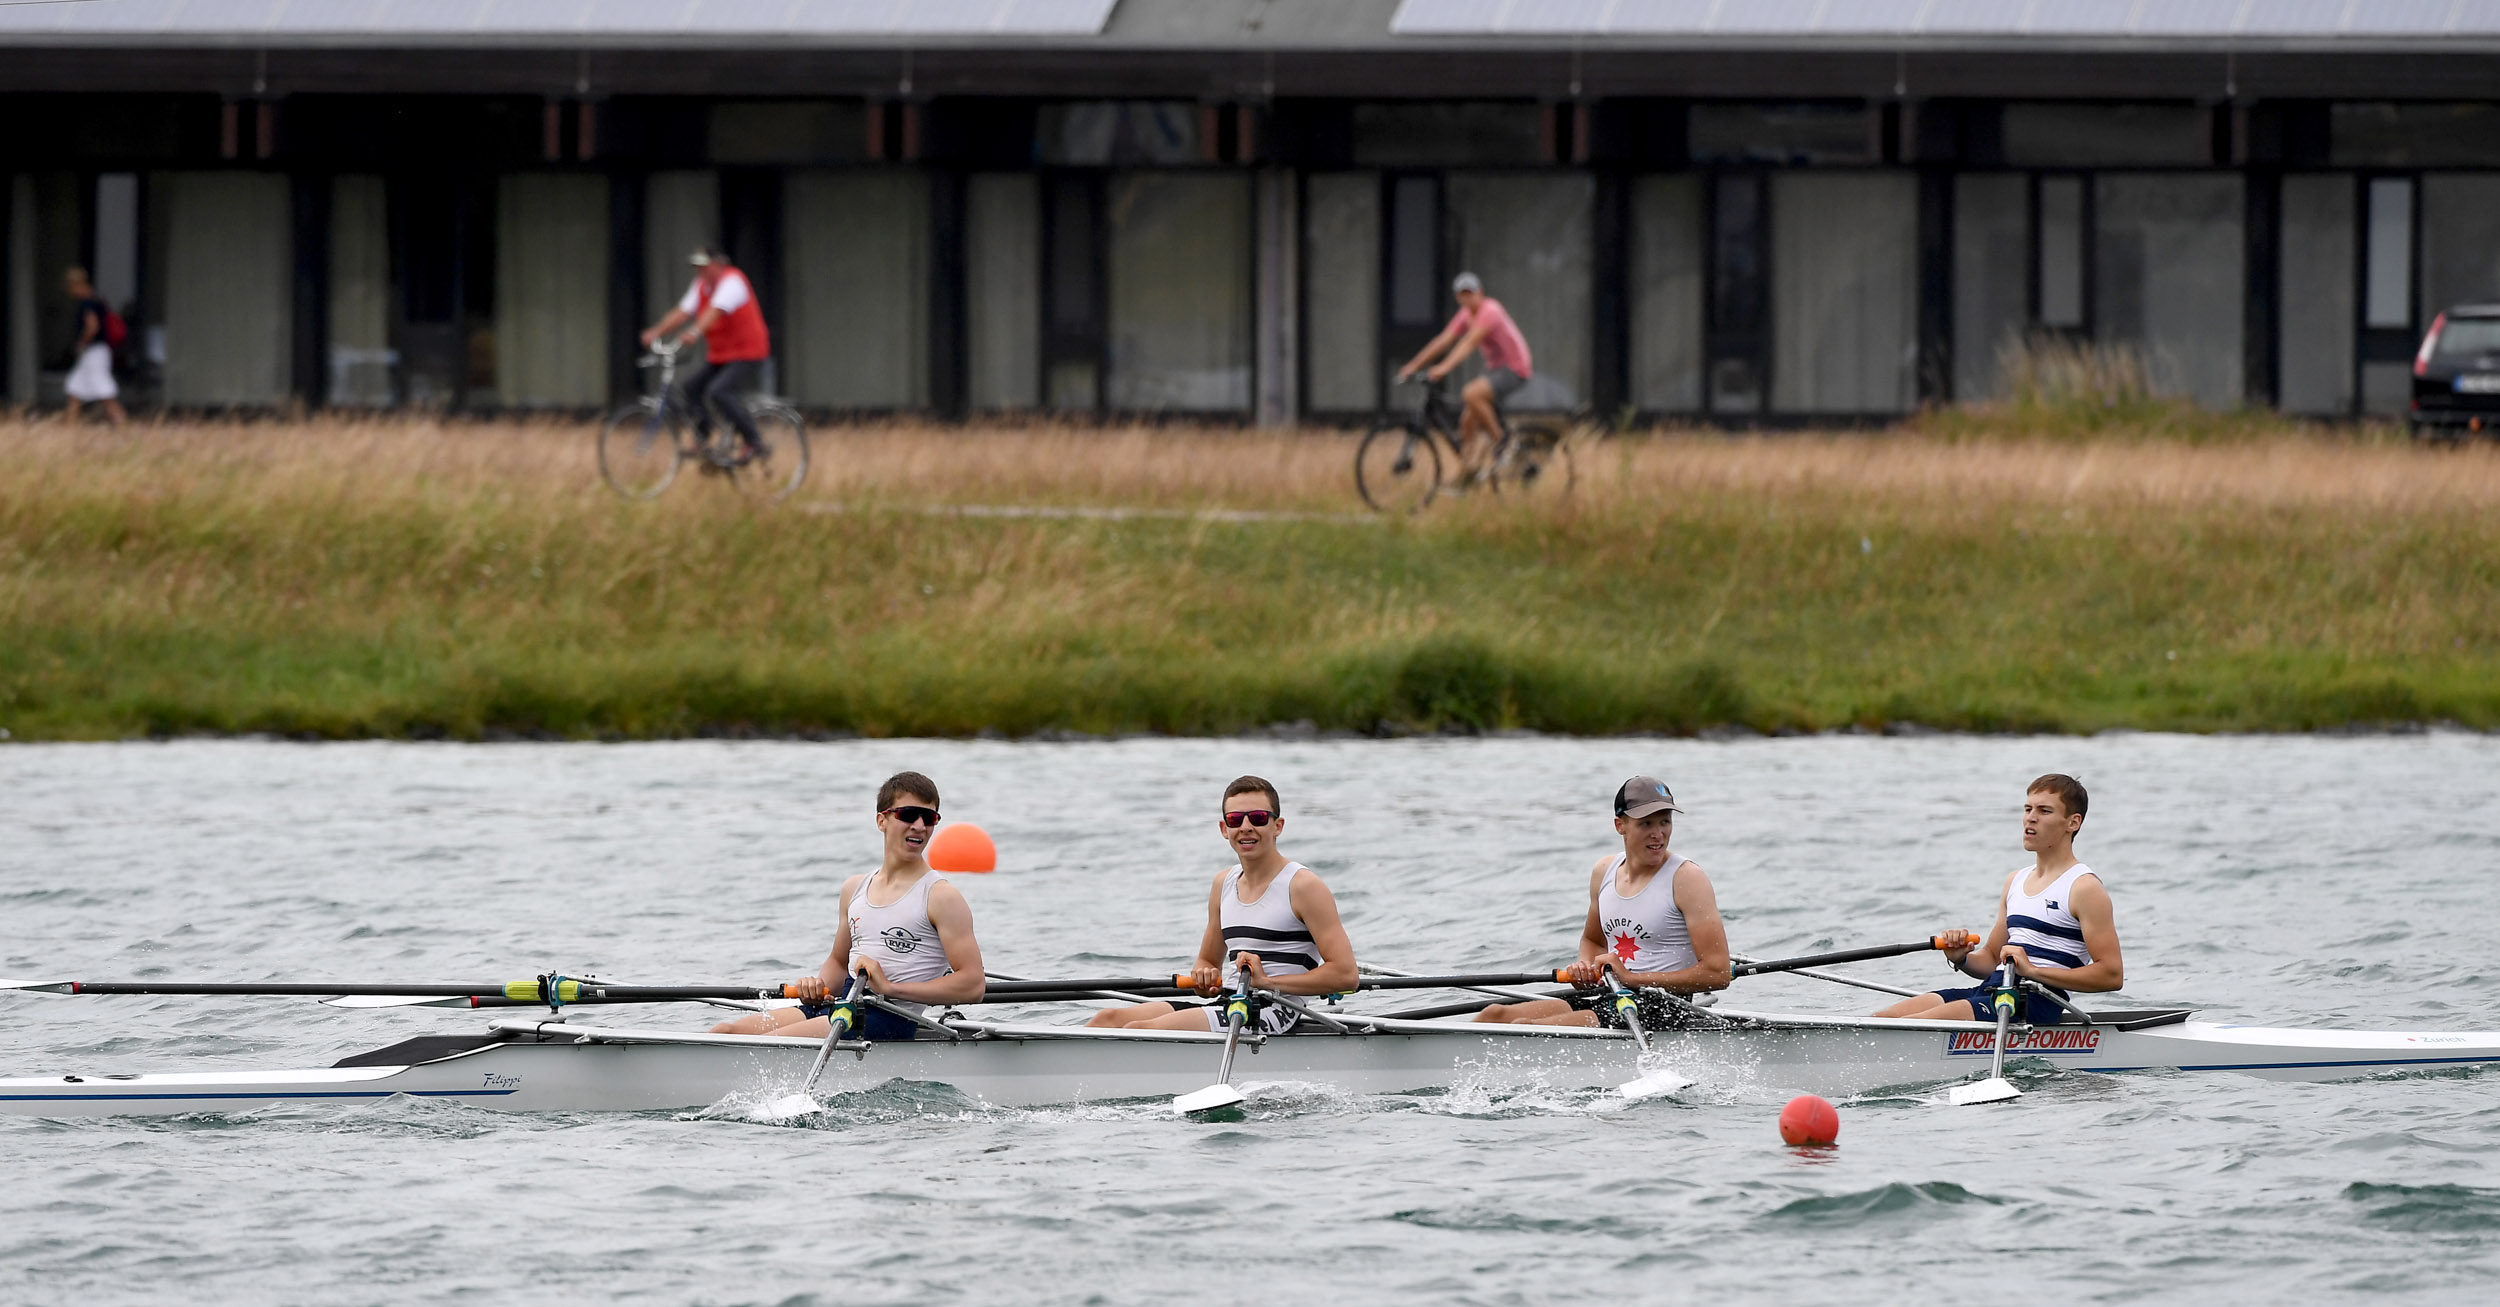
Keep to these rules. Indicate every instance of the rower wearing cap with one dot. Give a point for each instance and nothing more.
(906, 927)
(1653, 921)
(2054, 921)
(1267, 914)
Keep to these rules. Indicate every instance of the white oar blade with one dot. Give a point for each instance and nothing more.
(1207, 1100)
(391, 1000)
(1657, 1084)
(1994, 1089)
(38, 986)
(789, 1106)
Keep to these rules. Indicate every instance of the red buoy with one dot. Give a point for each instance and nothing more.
(962, 847)
(1808, 1120)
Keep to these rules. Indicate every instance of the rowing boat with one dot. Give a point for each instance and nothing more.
(562, 1064)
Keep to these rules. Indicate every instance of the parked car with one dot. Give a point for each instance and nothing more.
(2456, 375)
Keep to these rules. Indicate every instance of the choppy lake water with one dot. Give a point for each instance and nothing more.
(2273, 880)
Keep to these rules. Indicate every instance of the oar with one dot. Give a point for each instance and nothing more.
(525, 992)
(1650, 1084)
(837, 1024)
(1994, 1089)
(1833, 959)
(1839, 979)
(1221, 1094)
(1501, 991)
(568, 990)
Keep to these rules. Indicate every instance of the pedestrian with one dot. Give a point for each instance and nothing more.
(99, 330)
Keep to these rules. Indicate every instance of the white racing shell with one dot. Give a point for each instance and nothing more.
(542, 1065)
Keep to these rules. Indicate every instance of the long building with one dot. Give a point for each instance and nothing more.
(1735, 210)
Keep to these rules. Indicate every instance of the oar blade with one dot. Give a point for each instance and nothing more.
(1994, 1089)
(789, 1107)
(1213, 1098)
(392, 1000)
(36, 986)
(1657, 1084)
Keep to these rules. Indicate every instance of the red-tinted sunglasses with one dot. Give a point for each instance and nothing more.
(912, 815)
(1256, 817)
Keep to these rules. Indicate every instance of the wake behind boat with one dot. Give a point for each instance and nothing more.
(563, 1064)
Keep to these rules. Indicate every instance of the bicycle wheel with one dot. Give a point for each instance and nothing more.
(782, 465)
(1397, 468)
(1536, 463)
(638, 449)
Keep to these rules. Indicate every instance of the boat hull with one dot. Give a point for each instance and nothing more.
(553, 1067)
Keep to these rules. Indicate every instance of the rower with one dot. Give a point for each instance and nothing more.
(1653, 921)
(2054, 921)
(910, 927)
(1269, 916)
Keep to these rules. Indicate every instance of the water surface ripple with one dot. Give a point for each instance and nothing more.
(2276, 880)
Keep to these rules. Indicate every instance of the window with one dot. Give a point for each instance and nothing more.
(1415, 252)
(2388, 294)
(2060, 296)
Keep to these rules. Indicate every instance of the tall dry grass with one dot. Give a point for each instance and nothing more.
(400, 576)
(913, 464)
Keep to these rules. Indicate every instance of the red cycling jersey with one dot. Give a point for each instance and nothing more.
(740, 334)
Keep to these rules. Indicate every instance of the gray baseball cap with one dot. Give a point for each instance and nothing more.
(1464, 282)
(1644, 796)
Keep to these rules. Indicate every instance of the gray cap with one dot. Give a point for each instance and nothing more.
(1464, 282)
(1644, 796)
(703, 256)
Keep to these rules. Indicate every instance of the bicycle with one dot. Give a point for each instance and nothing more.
(1398, 465)
(644, 443)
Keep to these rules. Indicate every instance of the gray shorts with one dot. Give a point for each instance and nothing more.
(1505, 383)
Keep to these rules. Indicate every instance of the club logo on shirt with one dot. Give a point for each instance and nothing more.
(2052, 905)
(899, 940)
(1626, 937)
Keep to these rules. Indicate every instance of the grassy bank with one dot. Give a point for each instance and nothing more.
(403, 578)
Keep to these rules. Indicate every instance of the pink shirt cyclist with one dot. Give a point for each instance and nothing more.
(1481, 323)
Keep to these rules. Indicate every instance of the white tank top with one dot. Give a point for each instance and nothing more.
(1646, 930)
(899, 935)
(2045, 923)
(1268, 927)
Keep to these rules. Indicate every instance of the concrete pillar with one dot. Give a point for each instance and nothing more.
(1277, 386)
(21, 290)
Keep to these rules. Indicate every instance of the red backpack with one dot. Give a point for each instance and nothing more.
(116, 331)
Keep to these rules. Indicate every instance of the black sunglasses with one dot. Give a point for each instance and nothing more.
(912, 815)
(1256, 817)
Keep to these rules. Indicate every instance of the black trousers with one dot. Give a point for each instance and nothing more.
(716, 386)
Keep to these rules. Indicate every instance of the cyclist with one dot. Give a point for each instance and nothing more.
(721, 305)
(1480, 324)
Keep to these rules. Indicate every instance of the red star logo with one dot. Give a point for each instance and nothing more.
(1625, 947)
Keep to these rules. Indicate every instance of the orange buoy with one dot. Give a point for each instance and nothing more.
(963, 847)
(1808, 1120)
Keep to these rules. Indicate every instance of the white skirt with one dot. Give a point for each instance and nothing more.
(92, 379)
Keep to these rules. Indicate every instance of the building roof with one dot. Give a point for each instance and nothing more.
(370, 21)
(1954, 20)
(1239, 25)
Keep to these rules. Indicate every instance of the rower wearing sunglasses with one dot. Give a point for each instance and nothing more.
(904, 927)
(1268, 915)
(1653, 921)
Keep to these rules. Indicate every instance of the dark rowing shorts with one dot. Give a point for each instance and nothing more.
(876, 1025)
(1505, 383)
(2032, 1009)
(1658, 1012)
